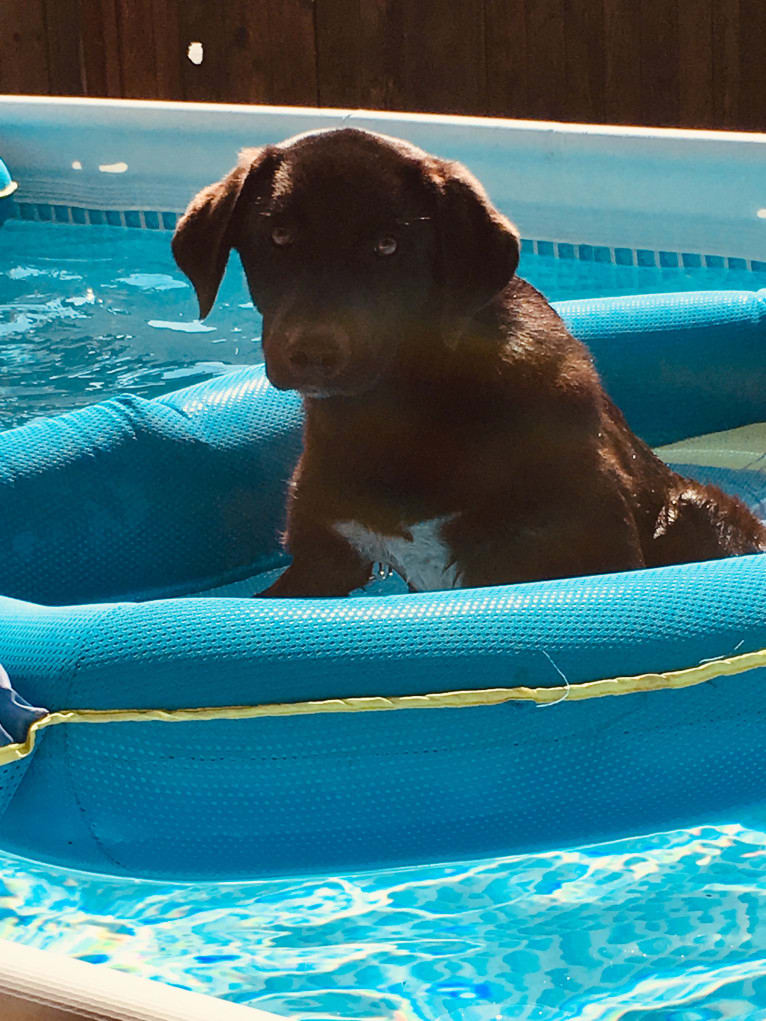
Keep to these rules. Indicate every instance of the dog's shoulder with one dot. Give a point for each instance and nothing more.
(526, 313)
(536, 354)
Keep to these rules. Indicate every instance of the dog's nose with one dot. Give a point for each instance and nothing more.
(316, 353)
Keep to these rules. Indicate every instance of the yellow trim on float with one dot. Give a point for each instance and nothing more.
(671, 680)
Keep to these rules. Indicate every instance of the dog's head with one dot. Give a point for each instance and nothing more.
(353, 244)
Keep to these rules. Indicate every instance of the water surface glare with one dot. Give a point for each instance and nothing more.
(671, 926)
(90, 312)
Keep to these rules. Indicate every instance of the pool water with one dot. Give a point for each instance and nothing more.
(669, 926)
(90, 312)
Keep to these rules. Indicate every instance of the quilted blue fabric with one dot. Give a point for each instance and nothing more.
(152, 500)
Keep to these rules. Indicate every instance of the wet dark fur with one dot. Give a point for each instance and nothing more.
(435, 381)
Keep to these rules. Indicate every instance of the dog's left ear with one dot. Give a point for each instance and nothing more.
(478, 246)
(207, 231)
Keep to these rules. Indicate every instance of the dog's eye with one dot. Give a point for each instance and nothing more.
(282, 236)
(386, 245)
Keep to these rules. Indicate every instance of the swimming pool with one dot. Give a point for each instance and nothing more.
(665, 925)
(87, 312)
(669, 926)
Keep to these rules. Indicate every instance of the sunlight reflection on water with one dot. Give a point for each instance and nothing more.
(90, 312)
(672, 925)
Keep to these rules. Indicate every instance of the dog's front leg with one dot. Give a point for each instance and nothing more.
(324, 564)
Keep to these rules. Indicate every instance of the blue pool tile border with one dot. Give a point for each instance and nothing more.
(164, 220)
(140, 219)
(641, 257)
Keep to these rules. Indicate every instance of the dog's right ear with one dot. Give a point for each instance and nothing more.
(206, 232)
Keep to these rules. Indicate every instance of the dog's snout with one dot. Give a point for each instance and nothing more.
(316, 353)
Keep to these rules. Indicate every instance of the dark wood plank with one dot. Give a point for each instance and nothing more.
(237, 64)
(622, 93)
(23, 50)
(584, 43)
(168, 52)
(695, 25)
(751, 106)
(62, 32)
(138, 62)
(361, 54)
(726, 63)
(339, 52)
(381, 67)
(99, 33)
(293, 37)
(546, 59)
(246, 53)
(660, 64)
(197, 81)
(506, 58)
(443, 56)
(393, 53)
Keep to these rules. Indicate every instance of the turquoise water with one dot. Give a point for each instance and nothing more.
(670, 926)
(90, 312)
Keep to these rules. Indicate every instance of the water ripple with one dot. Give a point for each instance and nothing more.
(668, 926)
(89, 312)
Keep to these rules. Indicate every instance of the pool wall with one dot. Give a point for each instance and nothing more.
(641, 195)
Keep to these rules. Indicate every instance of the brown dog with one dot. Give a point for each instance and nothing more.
(454, 428)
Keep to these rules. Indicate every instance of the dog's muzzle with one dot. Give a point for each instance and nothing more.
(309, 359)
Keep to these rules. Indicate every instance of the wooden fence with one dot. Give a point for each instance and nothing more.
(691, 63)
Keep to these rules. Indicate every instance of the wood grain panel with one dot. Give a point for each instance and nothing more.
(294, 59)
(506, 58)
(622, 71)
(339, 52)
(198, 82)
(138, 60)
(751, 105)
(546, 59)
(168, 53)
(24, 66)
(62, 31)
(100, 48)
(660, 70)
(695, 31)
(584, 40)
(726, 63)
(238, 52)
(382, 48)
(443, 56)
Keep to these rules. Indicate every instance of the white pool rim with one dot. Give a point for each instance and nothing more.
(40, 984)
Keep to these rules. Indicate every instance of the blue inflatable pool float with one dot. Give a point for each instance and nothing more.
(184, 732)
(7, 190)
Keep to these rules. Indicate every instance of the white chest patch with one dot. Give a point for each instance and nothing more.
(425, 560)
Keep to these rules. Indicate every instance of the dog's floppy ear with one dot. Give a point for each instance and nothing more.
(478, 246)
(206, 232)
